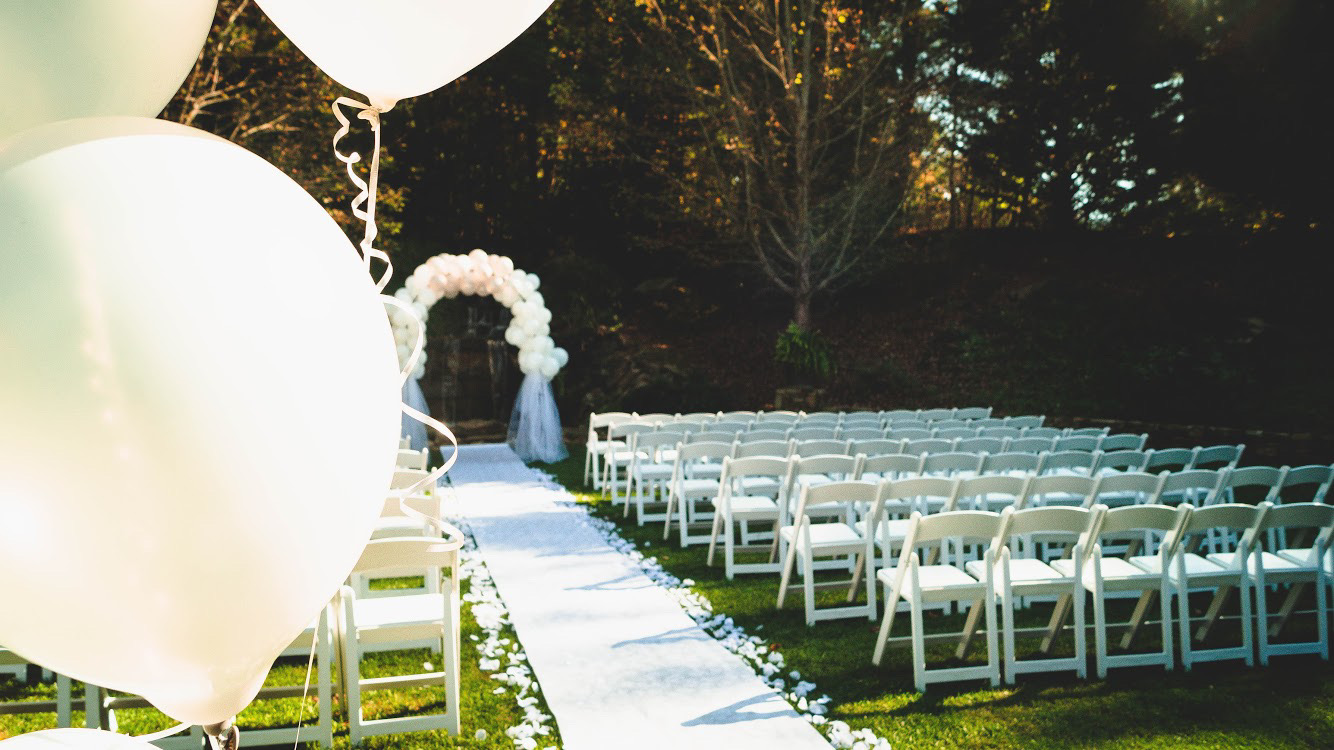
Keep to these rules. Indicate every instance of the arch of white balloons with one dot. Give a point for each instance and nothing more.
(447, 276)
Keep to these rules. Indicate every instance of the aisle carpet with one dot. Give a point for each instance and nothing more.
(618, 661)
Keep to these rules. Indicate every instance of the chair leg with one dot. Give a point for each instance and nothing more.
(1246, 622)
(789, 561)
(918, 644)
(713, 536)
(1081, 636)
(808, 578)
(969, 629)
(1137, 618)
(1099, 630)
(729, 542)
(1284, 612)
(1183, 624)
(1215, 610)
(1007, 624)
(1058, 614)
(856, 579)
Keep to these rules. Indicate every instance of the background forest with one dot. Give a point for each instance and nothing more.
(1109, 210)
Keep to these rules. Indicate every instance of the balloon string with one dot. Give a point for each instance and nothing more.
(164, 734)
(363, 205)
(305, 689)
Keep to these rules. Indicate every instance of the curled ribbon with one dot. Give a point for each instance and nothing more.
(418, 343)
(363, 205)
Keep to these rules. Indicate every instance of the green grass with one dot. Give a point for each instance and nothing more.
(1289, 704)
(481, 707)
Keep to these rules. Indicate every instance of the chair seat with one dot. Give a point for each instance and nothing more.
(1113, 569)
(1302, 557)
(933, 578)
(1021, 571)
(698, 486)
(1273, 563)
(625, 457)
(826, 535)
(1195, 565)
(405, 610)
(654, 471)
(750, 505)
(600, 446)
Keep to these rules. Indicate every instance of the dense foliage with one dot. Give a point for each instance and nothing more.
(682, 171)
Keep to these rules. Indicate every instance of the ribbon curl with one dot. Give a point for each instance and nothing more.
(363, 205)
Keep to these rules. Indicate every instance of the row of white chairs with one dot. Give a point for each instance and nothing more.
(1000, 578)
(691, 477)
(409, 540)
(600, 425)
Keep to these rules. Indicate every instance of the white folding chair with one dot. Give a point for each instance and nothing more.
(935, 415)
(943, 583)
(734, 504)
(1123, 441)
(951, 464)
(814, 433)
(402, 622)
(1217, 456)
(410, 459)
(806, 540)
(1314, 481)
(1027, 444)
(597, 444)
(1045, 433)
(973, 412)
(1295, 567)
(616, 460)
(1105, 573)
(694, 480)
(878, 447)
(859, 433)
(1008, 462)
(889, 466)
(652, 461)
(1030, 577)
(1026, 421)
(821, 447)
(980, 445)
(62, 705)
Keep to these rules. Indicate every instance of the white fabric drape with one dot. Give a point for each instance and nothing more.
(413, 396)
(534, 432)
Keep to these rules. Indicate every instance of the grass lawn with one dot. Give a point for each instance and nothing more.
(481, 707)
(1288, 704)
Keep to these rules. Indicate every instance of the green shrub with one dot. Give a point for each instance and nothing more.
(804, 354)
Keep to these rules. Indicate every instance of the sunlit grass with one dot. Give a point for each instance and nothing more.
(1288, 704)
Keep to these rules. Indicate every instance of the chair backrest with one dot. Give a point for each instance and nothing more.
(1231, 516)
(814, 433)
(877, 447)
(861, 418)
(1317, 516)
(907, 433)
(967, 525)
(1122, 441)
(754, 435)
(713, 435)
(699, 416)
(1096, 432)
(898, 415)
(999, 431)
(1064, 485)
(988, 423)
(781, 416)
(980, 445)
(626, 429)
(1122, 460)
(973, 412)
(819, 419)
(410, 459)
(1145, 486)
(1009, 462)
(404, 478)
(730, 425)
(1316, 477)
(1198, 486)
(408, 555)
(652, 444)
(950, 463)
(1144, 518)
(1253, 483)
(861, 433)
(835, 466)
(909, 424)
(914, 490)
(703, 450)
(954, 433)
(953, 424)
(1030, 421)
(935, 415)
(849, 491)
(989, 487)
(1080, 462)
(781, 448)
(1030, 445)
(1169, 459)
(1050, 433)
(736, 416)
(822, 447)
(404, 443)
(608, 418)
(1086, 443)
(1049, 520)
(892, 465)
(928, 445)
(735, 469)
(1217, 456)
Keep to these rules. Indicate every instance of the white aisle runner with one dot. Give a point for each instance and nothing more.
(620, 664)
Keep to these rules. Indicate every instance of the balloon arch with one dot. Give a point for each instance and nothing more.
(534, 429)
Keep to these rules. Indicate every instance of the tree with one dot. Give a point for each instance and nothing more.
(807, 128)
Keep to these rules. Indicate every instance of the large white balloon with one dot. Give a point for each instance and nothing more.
(163, 529)
(395, 49)
(83, 739)
(79, 58)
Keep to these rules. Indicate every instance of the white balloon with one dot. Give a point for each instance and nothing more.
(61, 59)
(512, 335)
(562, 356)
(536, 282)
(81, 739)
(138, 340)
(544, 315)
(394, 49)
(536, 300)
(549, 368)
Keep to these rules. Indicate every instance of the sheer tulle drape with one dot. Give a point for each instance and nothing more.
(534, 432)
(412, 396)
